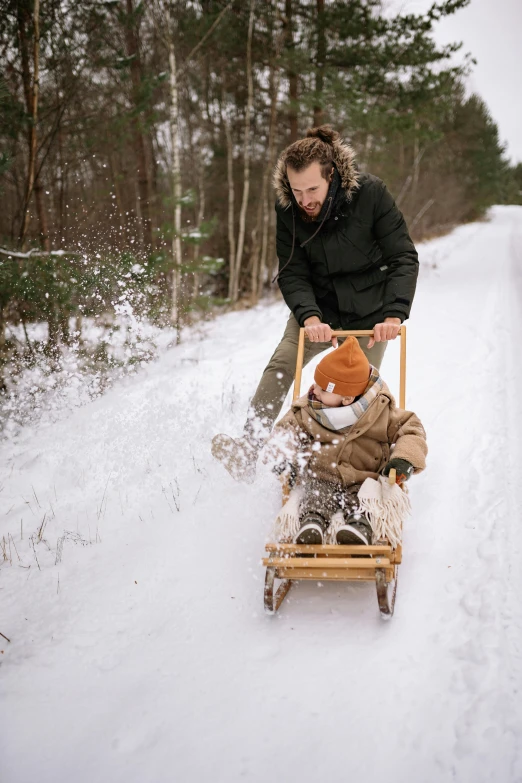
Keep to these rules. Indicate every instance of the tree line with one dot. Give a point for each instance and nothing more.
(138, 141)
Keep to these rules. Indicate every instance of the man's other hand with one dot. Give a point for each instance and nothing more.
(318, 332)
(385, 331)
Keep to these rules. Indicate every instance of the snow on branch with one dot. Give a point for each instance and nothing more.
(35, 252)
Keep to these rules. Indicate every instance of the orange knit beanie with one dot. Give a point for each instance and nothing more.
(346, 370)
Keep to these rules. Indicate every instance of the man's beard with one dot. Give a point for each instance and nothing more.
(307, 217)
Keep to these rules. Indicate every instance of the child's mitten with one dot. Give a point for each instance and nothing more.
(402, 466)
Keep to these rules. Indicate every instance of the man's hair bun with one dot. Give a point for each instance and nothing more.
(317, 147)
(324, 132)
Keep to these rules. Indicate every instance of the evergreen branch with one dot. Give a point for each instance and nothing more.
(207, 34)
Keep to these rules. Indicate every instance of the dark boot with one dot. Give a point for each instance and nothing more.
(356, 530)
(312, 530)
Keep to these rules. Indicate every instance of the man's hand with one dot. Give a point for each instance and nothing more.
(318, 332)
(385, 331)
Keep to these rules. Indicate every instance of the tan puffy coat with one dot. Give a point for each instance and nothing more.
(383, 431)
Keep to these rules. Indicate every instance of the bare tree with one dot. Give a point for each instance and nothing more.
(259, 255)
(230, 186)
(319, 69)
(233, 290)
(292, 75)
(175, 174)
(31, 91)
(131, 22)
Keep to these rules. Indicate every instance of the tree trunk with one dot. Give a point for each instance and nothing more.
(201, 214)
(231, 196)
(133, 52)
(292, 75)
(234, 283)
(45, 240)
(176, 180)
(319, 70)
(60, 218)
(417, 157)
(268, 208)
(152, 168)
(2, 348)
(197, 167)
(255, 249)
(266, 201)
(31, 98)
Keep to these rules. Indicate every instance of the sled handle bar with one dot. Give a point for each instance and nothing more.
(355, 333)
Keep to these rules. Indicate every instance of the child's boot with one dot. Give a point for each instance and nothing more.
(355, 530)
(312, 530)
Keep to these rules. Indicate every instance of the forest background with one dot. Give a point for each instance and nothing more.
(138, 140)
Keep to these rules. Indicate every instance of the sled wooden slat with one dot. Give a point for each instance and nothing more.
(331, 562)
(336, 550)
(330, 549)
(337, 574)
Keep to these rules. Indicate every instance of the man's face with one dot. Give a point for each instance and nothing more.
(309, 188)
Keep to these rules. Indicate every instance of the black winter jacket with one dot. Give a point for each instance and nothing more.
(361, 266)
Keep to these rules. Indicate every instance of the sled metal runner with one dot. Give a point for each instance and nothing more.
(287, 563)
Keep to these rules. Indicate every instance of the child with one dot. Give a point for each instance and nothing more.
(347, 428)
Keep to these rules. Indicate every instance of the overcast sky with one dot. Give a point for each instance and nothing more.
(492, 31)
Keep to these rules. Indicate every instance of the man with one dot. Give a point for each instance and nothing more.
(346, 261)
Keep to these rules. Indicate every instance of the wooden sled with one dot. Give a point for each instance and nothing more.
(379, 563)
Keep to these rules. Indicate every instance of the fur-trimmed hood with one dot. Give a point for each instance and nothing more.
(344, 159)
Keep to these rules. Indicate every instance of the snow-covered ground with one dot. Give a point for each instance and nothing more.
(132, 593)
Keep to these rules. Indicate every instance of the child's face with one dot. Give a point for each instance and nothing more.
(331, 399)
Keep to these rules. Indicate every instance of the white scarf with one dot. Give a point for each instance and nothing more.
(385, 506)
(344, 417)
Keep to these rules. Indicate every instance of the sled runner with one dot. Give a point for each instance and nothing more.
(288, 563)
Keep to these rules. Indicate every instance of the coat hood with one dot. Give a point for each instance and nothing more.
(344, 160)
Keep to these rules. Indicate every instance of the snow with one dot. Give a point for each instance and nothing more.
(132, 592)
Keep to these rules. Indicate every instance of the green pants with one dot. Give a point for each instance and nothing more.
(278, 376)
(324, 498)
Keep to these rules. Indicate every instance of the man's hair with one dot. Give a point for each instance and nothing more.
(317, 147)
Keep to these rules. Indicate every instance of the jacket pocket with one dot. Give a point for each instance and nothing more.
(368, 279)
(368, 292)
(350, 250)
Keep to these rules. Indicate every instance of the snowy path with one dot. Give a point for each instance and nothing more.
(143, 654)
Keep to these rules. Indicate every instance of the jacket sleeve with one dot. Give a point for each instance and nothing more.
(407, 435)
(295, 280)
(398, 252)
